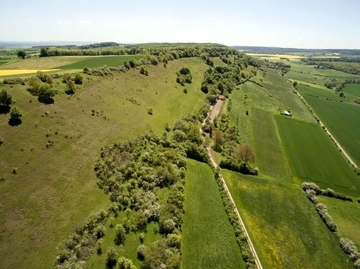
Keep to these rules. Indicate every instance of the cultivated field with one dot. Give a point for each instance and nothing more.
(66, 62)
(208, 237)
(284, 225)
(353, 89)
(341, 118)
(305, 145)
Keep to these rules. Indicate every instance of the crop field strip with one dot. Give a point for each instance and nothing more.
(208, 237)
(306, 144)
(341, 118)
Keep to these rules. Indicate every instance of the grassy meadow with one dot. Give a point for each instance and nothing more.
(305, 145)
(208, 237)
(346, 215)
(54, 188)
(341, 118)
(283, 224)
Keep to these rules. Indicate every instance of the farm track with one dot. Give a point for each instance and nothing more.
(213, 113)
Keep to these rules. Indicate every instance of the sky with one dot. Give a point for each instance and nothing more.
(277, 23)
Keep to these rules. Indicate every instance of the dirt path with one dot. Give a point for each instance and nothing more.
(214, 112)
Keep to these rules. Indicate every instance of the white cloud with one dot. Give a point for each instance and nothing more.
(63, 22)
(84, 22)
(31, 21)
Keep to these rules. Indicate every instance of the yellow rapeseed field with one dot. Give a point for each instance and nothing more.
(12, 72)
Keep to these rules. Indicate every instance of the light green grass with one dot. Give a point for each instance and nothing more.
(269, 152)
(283, 225)
(346, 216)
(313, 156)
(341, 118)
(208, 239)
(353, 89)
(55, 189)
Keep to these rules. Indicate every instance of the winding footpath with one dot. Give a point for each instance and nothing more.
(214, 112)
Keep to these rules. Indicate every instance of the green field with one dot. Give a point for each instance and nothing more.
(313, 156)
(208, 237)
(95, 62)
(283, 224)
(54, 189)
(341, 118)
(353, 89)
(67, 62)
(346, 215)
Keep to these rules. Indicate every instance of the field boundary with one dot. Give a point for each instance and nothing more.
(213, 113)
(241, 222)
(323, 126)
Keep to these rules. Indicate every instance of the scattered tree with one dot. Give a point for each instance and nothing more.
(78, 79)
(15, 113)
(21, 54)
(120, 233)
(111, 257)
(71, 88)
(5, 98)
(46, 93)
(124, 263)
(245, 153)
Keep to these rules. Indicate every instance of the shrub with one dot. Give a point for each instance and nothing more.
(111, 256)
(124, 263)
(349, 248)
(312, 186)
(78, 79)
(141, 250)
(120, 233)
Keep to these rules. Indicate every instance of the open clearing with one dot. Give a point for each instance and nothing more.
(208, 237)
(55, 188)
(305, 145)
(283, 224)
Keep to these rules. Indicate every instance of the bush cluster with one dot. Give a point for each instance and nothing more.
(241, 238)
(78, 247)
(312, 190)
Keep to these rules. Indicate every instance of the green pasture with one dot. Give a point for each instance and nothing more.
(312, 156)
(284, 225)
(208, 239)
(353, 89)
(341, 118)
(54, 189)
(346, 215)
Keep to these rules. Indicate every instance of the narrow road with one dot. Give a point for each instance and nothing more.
(214, 112)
